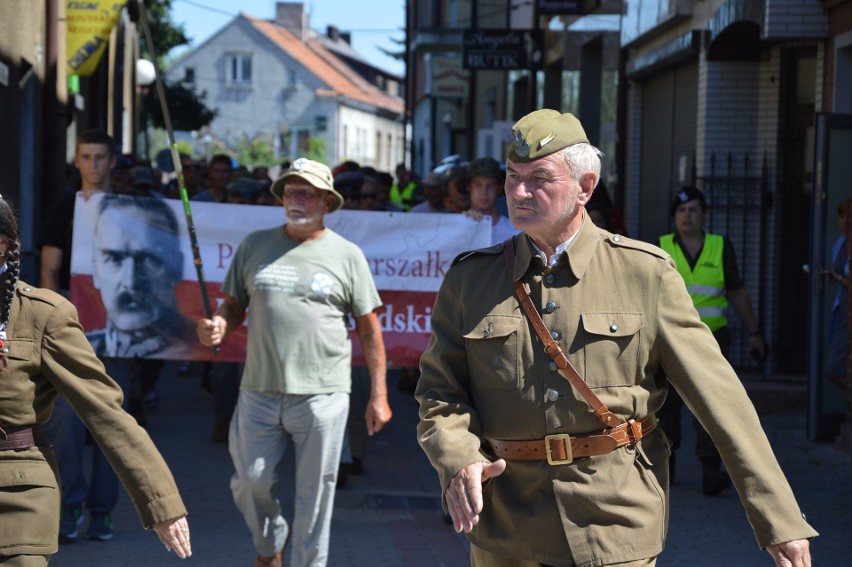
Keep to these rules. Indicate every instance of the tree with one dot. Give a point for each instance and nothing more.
(186, 107)
(165, 34)
(398, 54)
(316, 149)
(256, 151)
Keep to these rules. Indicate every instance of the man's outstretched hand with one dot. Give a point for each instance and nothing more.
(464, 495)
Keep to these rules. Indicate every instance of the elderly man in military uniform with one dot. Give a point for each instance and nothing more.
(549, 356)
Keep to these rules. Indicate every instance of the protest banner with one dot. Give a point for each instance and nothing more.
(408, 255)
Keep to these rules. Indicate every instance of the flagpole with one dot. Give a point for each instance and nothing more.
(184, 194)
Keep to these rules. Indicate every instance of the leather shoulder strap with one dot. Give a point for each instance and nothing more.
(551, 347)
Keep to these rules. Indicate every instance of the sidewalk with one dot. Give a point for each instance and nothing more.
(391, 516)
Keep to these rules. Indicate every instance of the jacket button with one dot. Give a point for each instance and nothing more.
(554, 335)
(551, 395)
(550, 278)
(552, 366)
(27, 289)
(613, 328)
(550, 307)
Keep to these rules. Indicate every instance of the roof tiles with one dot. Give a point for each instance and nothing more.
(340, 79)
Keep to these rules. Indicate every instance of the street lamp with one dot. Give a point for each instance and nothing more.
(145, 72)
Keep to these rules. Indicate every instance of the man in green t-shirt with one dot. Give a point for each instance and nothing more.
(300, 282)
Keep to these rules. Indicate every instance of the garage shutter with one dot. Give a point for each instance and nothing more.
(669, 121)
(657, 129)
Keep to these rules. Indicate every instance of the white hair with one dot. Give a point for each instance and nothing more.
(583, 158)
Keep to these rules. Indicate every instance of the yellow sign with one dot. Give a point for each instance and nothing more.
(89, 23)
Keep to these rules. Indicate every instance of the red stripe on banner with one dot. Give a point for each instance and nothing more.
(404, 318)
(90, 309)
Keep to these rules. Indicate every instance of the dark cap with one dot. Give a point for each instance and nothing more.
(349, 183)
(244, 187)
(122, 163)
(685, 195)
(434, 180)
(543, 132)
(486, 167)
(140, 175)
(188, 162)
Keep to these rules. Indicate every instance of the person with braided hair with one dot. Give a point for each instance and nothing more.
(44, 354)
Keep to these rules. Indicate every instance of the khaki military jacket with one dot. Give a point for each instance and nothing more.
(49, 356)
(623, 317)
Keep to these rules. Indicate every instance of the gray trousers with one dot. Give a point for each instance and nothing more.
(263, 426)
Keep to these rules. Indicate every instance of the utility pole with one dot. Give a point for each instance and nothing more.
(532, 76)
(471, 98)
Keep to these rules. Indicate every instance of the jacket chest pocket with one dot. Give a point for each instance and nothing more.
(20, 365)
(493, 351)
(611, 348)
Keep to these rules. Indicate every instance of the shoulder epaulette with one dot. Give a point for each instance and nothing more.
(624, 242)
(496, 249)
(39, 293)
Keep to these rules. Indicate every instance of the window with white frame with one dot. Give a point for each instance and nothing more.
(238, 69)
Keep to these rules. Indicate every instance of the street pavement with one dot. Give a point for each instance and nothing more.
(391, 516)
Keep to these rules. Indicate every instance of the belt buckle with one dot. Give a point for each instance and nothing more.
(558, 437)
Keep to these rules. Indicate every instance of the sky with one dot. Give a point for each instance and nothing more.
(372, 22)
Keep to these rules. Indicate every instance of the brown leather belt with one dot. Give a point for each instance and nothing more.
(20, 438)
(561, 449)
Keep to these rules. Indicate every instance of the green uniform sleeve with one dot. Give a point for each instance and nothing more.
(70, 364)
(449, 430)
(709, 386)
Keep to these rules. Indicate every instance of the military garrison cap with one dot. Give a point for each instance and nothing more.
(543, 132)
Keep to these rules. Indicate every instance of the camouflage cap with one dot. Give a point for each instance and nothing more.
(315, 173)
(544, 132)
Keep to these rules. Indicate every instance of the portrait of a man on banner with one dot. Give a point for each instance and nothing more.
(136, 266)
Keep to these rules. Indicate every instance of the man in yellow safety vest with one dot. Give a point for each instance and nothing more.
(708, 265)
(404, 191)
